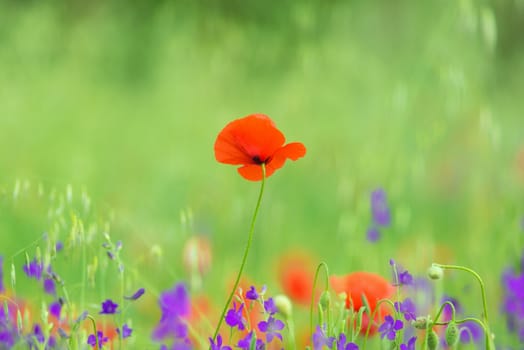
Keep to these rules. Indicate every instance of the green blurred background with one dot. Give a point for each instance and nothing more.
(123, 100)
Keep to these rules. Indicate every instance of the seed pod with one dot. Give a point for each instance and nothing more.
(421, 323)
(432, 341)
(452, 334)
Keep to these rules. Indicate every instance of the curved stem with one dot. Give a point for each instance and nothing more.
(246, 251)
(313, 293)
(442, 309)
(372, 316)
(93, 322)
(489, 340)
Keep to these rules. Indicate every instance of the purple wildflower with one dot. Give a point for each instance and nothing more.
(108, 307)
(320, 339)
(379, 208)
(8, 337)
(59, 246)
(513, 301)
(401, 276)
(51, 342)
(252, 294)
(270, 307)
(410, 344)
(271, 327)
(175, 306)
(55, 308)
(390, 327)
(2, 288)
(126, 331)
(136, 295)
(373, 234)
(38, 334)
(234, 317)
(34, 269)
(405, 278)
(49, 286)
(343, 345)
(407, 308)
(218, 344)
(245, 343)
(91, 340)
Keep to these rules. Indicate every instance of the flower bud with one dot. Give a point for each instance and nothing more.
(432, 341)
(435, 272)
(421, 323)
(283, 305)
(452, 334)
(325, 300)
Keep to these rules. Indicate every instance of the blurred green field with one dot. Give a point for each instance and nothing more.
(124, 101)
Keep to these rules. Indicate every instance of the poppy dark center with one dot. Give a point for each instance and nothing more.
(257, 160)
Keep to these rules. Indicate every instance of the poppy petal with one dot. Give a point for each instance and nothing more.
(246, 138)
(293, 151)
(253, 172)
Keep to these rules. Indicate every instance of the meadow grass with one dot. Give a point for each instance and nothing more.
(420, 100)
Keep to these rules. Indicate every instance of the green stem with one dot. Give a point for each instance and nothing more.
(489, 341)
(93, 322)
(442, 309)
(372, 316)
(291, 329)
(322, 264)
(244, 258)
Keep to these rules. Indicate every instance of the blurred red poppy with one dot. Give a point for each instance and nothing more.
(374, 287)
(252, 141)
(296, 273)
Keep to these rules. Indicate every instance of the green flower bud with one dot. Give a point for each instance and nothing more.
(421, 323)
(452, 334)
(284, 305)
(325, 300)
(435, 272)
(432, 341)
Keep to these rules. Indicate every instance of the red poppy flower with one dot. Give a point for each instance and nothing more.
(374, 287)
(296, 273)
(252, 141)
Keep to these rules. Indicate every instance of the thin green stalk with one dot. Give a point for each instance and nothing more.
(291, 329)
(313, 293)
(246, 251)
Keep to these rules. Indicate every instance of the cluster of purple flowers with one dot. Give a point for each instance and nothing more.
(35, 269)
(322, 341)
(380, 212)
(271, 327)
(11, 334)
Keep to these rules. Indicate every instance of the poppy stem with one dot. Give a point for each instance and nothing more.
(488, 335)
(246, 251)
